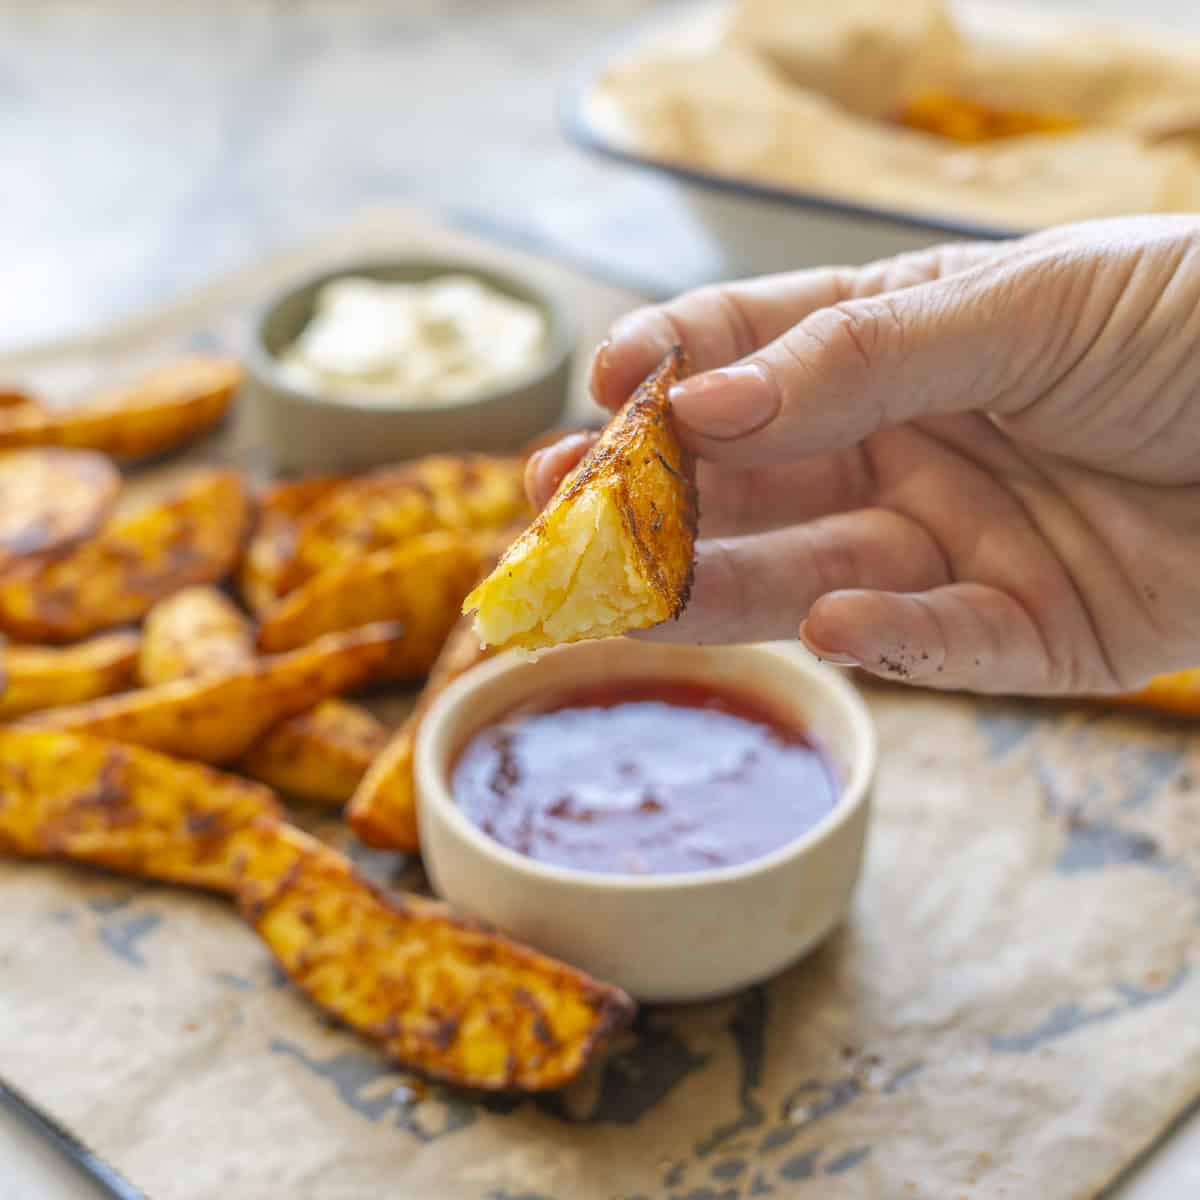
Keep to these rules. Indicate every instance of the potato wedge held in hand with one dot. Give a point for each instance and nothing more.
(217, 718)
(319, 755)
(613, 550)
(452, 492)
(198, 631)
(63, 796)
(272, 548)
(39, 677)
(436, 993)
(383, 811)
(50, 499)
(154, 414)
(420, 583)
(192, 535)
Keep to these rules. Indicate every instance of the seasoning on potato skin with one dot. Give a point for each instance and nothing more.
(191, 535)
(318, 756)
(52, 499)
(217, 718)
(435, 992)
(84, 799)
(41, 677)
(156, 413)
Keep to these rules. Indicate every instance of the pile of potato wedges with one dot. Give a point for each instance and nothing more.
(178, 669)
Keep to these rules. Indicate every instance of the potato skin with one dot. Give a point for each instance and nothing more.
(157, 413)
(65, 796)
(435, 992)
(192, 535)
(420, 583)
(217, 718)
(197, 631)
(40, 677)
(640, 461)
(268, 558)
(318, 756)
(51, 499)
(383, 810)
(453, 492)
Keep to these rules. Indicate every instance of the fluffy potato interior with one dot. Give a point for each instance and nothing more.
(577, 581)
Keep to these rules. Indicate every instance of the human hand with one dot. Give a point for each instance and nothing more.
(975, 467)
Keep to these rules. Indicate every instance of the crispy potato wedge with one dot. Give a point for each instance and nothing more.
(1177, 694)
(378, 510)
(383, 810)
(436, 993)
(154, 414)
(319, 756)
(198, 631)
(217, 718)
(272, 548)
(613, 550)
(419, 583)
(39, 677)
(50, 499)
(193, 535)
(63, 796)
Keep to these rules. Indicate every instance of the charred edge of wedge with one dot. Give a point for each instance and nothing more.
(649, 406)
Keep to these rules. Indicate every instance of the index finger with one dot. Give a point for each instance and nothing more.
(719, 324)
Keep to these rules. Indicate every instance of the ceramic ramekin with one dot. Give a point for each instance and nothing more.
(307, 430)
(664, 938)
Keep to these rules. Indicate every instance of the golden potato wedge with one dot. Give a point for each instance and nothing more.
(50, 499)
(154, 414)
(436, 993)
(318, 756)
(63, 796)
(1177, 695)
(198, 631)
(613, 550)
(39, 677)
(193, 535)
(273, 544)
(378, 510)
(383, 810)
(217, 718)
(419, 583)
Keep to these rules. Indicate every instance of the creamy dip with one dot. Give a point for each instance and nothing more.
(439, 341)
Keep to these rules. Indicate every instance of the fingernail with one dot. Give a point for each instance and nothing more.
(533, 476)
(727, 403)
(599, 368)
(835, 657)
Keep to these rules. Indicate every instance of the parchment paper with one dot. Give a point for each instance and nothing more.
(1012, 1010)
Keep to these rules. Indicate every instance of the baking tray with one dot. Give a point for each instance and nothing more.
(762, 227)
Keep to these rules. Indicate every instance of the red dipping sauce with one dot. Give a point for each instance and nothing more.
(645, 778)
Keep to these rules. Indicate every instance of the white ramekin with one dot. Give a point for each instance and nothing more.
(663, 938)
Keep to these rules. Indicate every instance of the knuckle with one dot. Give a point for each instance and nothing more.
(733, 316)
(858, 335)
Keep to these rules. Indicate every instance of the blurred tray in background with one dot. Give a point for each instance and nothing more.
(760, 226)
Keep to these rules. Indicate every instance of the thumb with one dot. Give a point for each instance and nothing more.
(989, 338)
